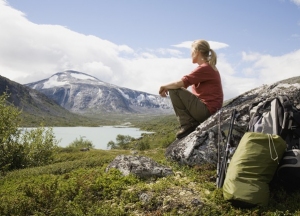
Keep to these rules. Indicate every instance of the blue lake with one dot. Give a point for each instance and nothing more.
(99, 136)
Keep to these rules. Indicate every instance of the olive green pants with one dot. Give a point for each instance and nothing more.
(188, 108)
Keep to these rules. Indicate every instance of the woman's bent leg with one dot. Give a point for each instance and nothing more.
(180, 100)
(189, 110)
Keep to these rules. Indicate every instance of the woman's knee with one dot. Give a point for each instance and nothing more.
(172, 91)
(178, 92)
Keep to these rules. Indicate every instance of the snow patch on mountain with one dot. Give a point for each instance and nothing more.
(83, 77)
(141, 97)
(124, 95)
(151, 97)
(99, 94)
(53, 82)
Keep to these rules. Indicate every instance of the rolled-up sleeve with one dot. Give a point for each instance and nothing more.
(186, 82)
(195, 77)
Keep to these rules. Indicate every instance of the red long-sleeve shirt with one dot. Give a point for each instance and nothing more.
(206, 85)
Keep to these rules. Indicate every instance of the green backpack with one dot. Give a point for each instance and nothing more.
(251, 169)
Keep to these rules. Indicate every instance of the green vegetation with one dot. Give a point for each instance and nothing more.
(122, 142)
(56, 181)
(32, 148)
(79, 144)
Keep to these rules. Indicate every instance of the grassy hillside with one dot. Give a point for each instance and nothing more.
(77, 184)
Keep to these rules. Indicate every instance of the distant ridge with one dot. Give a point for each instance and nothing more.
(36, 107)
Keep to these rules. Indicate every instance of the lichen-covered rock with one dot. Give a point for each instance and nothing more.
(140, 166)
(202, 145)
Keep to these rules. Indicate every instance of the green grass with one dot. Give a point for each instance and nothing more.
(77, 184)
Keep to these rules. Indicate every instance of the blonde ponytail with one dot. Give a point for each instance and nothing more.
(209, 54)
(212, 58)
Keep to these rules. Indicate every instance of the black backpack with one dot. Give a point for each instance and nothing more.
(289, 168)
(276, 116)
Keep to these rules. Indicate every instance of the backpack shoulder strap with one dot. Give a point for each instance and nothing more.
(286, 118)
(253, 111)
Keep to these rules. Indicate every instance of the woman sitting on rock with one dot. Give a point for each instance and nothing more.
(206, 97)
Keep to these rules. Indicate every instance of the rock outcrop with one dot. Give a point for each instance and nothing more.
(202, 145)
(140, 166)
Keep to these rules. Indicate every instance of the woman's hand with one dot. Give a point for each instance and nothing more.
(163, 91)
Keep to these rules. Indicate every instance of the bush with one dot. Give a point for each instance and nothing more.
(122, 142)
(143, 145)
(33, 148)
(10, 150)
(80, 144)
(40, 146)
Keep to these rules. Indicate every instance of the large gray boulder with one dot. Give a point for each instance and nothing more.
(140, 166)
(201, 146)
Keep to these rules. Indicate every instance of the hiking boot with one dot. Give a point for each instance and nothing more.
(186, 130)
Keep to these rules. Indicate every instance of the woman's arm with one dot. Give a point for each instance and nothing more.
(163, 90)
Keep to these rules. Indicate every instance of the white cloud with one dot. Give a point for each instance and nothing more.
(297, 2)
(31, 52)
(36, 50)
(213, 45)
(267, 69)
(185, 44)
(250, 57)
(172, 52)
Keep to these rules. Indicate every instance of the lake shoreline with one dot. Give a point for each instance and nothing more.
(99, 136)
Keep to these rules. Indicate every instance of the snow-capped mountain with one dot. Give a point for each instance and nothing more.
(82, 93)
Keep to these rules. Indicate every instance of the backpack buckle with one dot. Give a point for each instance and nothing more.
(293, 127)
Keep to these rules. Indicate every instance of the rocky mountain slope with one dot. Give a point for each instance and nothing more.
(37, 107)
(82, 93)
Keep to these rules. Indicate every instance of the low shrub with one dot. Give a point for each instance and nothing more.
(80, 143)
(20, 150)
(122, 142)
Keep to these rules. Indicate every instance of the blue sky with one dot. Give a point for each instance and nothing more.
(143, 44)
